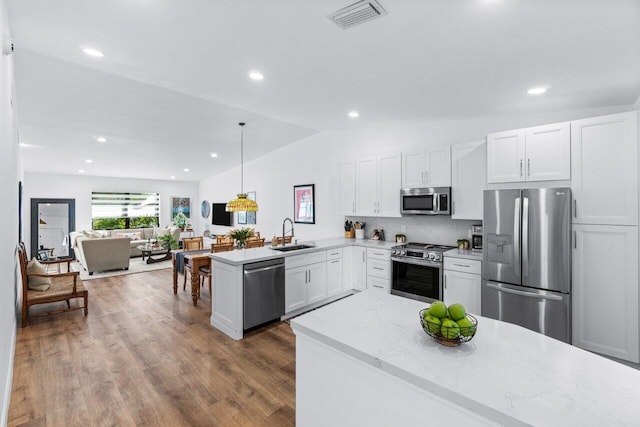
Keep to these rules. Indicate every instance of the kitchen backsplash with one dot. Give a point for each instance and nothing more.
(419, 228)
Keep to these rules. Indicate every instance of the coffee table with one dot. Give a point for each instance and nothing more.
(147, 251)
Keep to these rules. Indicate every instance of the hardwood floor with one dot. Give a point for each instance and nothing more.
(145, 356)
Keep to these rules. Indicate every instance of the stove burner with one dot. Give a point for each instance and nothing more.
(424, 251)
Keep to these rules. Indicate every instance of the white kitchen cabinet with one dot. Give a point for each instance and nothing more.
(334, 271)
(462, 282)
(605, 169)
(426, 168)
(347, 188)
(605, 290)
(378, 186)
(359, 268)
(468, 179)
(541, 153)
(305, 280)
(378, 269)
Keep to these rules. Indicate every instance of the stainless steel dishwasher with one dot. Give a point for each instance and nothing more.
(263, 292)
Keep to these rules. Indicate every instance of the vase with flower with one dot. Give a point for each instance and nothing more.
(240, 235)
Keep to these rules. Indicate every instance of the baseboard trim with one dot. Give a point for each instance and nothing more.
(9, 384)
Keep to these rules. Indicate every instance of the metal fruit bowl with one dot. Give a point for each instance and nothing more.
(438, 332)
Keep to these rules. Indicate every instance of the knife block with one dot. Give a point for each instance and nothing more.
(350, 234)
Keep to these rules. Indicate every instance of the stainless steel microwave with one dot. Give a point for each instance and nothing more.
(426, 201)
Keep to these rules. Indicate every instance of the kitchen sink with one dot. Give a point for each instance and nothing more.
(291, 248)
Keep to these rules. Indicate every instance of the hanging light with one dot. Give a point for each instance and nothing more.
(242, 203)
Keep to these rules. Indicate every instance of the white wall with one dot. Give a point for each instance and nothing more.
(9, 177)
(313, 160)
(80, 187)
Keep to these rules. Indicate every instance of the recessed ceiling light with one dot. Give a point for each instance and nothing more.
(186, 169)
(101, 139)
(80, 170)
(537, 90)
(214, 155)
(354, 114)
(173, 177)
(256, 75)
(25, 145)
(93, 52)
(88, 161)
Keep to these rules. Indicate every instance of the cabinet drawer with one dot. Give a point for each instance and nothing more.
(334, 253)
(464, 265)
(378, 268)
(382, 254)
(306, 259)
(378, 283)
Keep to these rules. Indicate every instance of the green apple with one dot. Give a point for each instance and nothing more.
(433, 324)
(457, 311)
(466, 327)
(438, 309)
(449, 329)
(426, 313)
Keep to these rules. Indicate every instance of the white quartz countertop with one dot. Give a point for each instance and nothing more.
(245, 256)
(464, 253)
(506, 373)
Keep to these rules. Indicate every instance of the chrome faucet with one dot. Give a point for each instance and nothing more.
(284, 232)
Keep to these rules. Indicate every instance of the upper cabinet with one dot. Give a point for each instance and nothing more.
(468, 180)
(605, 169)
(347, 188)
(541, 153)
(377, 184)
(426, 168)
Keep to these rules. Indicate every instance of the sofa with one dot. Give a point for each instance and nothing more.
(113, 247)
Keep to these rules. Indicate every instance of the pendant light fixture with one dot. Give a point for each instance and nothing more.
(242, 203)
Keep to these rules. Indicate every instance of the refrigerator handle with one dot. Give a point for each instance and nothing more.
(516, 233)
(525, 234)
(522, 293)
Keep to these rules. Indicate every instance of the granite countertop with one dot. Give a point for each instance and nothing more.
(506, 373)
(245, 256)
(464, 253)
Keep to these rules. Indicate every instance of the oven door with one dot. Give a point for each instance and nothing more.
(416, 279)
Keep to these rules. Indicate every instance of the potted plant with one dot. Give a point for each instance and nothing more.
(168, 241)
(181, 221)
(240, 235)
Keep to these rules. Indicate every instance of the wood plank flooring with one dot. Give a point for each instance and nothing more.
(144, 356)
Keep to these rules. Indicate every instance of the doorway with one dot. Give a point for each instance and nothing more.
(51, 222)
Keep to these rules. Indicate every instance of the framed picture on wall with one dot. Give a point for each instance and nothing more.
(304, 204)
(242, 217)
(251, 216)
(180, 204)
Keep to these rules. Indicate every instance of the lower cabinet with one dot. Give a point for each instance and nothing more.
(462, 283)
(334, 272)
(605, 290)
(378, 268)
(359, 268)
(305, 280)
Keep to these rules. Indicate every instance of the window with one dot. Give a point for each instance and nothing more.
(110, 211)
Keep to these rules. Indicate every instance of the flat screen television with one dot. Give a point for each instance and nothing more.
(220, 216)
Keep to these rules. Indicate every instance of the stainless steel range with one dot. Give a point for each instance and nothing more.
(417, 271)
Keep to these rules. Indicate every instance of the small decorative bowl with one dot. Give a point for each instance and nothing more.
(438, 332)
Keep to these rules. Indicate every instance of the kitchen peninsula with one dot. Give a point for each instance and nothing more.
(365, 360)
(227, 311)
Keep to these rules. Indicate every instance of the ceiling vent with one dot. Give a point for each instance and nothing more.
(357, 13)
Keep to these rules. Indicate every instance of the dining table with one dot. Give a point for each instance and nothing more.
(195, 260)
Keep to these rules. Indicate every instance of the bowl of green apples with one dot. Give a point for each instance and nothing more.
(450, 326)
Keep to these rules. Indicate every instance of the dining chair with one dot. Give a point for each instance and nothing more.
(254, 243)
(190, 244)
(287, 239)
(205, 272)
(224, 239)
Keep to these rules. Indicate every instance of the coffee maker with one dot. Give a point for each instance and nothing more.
(476, 237)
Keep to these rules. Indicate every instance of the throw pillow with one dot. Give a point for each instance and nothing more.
(34, 282)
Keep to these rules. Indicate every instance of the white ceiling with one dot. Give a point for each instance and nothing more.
(173, 83)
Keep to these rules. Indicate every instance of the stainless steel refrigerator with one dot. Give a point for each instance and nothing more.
(526, 267)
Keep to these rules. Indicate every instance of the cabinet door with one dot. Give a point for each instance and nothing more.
(366, 186)
(413, 169)
(468, 179)
(438, 171)
(389, 174)
(347, 188)
(463, 288)
(604, 163)
(334, 277)
(548, 150)
(605, 290)
(317, 282)
(505, 156)
(359, 278)
(296, 288)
